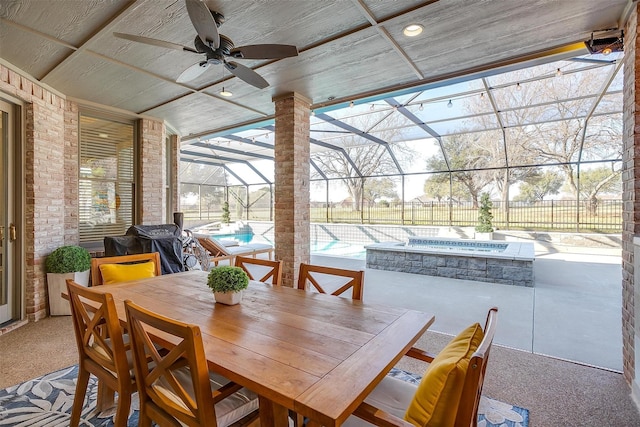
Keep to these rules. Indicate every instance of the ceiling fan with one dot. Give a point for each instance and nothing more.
(217, 47)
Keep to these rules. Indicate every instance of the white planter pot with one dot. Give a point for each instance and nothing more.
(56, 284)
(228, 298)
(484, 236)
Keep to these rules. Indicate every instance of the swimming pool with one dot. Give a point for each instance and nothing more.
(331, 247)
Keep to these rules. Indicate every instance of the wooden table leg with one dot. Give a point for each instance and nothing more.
(272, 414)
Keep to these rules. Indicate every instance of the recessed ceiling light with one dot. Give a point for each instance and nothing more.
(225, 93)
(412, 30)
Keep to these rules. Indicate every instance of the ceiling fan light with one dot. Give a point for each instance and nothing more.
(412, 30)
(225, 93)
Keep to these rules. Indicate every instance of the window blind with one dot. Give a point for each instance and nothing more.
(106, 196)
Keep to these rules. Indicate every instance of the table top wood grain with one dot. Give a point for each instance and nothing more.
(319, 355)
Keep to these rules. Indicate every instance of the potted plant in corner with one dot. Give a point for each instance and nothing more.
(227, 284)
(484, 229)
(66, 262)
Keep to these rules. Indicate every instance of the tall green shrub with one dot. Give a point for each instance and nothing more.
(485, 217)
(226, 215)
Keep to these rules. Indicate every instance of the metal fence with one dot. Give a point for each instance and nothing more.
(548, 215)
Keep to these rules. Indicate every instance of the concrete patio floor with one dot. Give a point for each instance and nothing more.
(573, 312)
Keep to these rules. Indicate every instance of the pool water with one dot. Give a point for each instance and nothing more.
(333, 247)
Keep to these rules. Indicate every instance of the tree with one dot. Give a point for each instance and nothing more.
(437, 188)
(597, 181)
(536, 187)
(549, 128)
(376, 188)
(466, 157)
(371, 159)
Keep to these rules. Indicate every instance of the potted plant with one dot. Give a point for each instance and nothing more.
(484, 229)
(227, 283)
(66, 262)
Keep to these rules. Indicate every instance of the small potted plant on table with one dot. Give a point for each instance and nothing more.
(65, 262)
(227, 284)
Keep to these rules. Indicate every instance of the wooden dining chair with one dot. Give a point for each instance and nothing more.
(262, 270)
(116, 269)
(102, 351)
(449, 392)
(175, 387)
(321, 277)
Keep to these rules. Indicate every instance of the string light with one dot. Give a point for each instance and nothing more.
(518, 87)
(482, 95)
(449, 104)
(558, 72)
(373, 106)
(351, 104)
(420, 107)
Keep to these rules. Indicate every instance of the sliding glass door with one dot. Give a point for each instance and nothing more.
(8, 287)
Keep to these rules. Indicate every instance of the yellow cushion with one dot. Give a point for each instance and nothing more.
(438, 395)
(115, 273)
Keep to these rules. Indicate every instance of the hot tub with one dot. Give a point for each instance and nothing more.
(509, 263)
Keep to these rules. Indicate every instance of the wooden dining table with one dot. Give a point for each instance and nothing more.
(316, 354)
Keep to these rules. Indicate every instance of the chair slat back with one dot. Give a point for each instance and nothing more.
(97, 329)
(214, 248)
(318, 276)
(262, 270)
(161, 393)
(474, 379)
(96, 276)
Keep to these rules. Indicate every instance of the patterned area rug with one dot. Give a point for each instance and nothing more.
(47, 402)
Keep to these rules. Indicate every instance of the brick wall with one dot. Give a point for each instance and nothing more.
(291, 213)
(631, 190)
(46, 155)
(51, 146)
(153, 176)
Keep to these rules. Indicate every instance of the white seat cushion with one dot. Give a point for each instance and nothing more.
(391, 395)
(248, 248)
(228, 410)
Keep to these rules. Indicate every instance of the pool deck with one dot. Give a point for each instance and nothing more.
(572, 312)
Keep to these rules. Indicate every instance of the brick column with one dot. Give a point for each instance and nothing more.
(630, 194)
(151, 192)
(291, 219)
(174, 184)
(71, 173)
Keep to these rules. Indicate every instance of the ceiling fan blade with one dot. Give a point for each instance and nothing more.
(154, 42)
(246, 74)
(264, 51)
(193, 72)
(203, 21)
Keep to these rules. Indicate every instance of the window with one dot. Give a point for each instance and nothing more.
(106, 182)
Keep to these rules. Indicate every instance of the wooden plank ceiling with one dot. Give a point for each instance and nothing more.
(348, 49)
